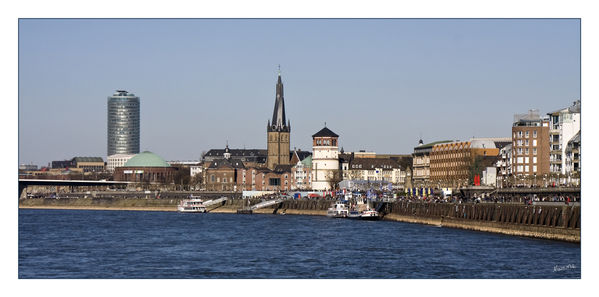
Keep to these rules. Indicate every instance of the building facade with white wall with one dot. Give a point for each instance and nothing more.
(117, 160)
(564, 125)
(325, 159)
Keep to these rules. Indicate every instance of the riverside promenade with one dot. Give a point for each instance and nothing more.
(547, 222)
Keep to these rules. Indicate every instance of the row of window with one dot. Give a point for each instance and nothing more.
(272, 181)
(525, 168)
(526, 160)
(125, 143)
(526, 134)
(120, 137)
(117, 161)
(442, 173)
(449, 156)
(524, 142)
(526, 151)
(326, 142)
(123, 116)
(449, 164)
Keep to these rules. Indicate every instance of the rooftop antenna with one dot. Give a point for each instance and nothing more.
(325, 124)
(279, 69)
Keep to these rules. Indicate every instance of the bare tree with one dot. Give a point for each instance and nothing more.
(335, 177)
(182, 177)
(197, 180)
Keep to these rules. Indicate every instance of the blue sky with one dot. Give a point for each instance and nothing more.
(380, 84)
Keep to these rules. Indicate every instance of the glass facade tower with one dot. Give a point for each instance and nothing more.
(123, 123)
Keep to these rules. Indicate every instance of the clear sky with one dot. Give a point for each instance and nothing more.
(381, 84)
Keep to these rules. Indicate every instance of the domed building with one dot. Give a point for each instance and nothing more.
(146, 167)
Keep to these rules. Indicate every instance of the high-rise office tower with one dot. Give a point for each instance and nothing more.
(123, 123)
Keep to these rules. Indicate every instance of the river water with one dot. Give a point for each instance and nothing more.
(139, 244)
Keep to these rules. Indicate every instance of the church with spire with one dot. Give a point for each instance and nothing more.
(278, 131)
(276, 168)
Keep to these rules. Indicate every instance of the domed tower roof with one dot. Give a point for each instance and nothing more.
(146, 159)
(227, 153)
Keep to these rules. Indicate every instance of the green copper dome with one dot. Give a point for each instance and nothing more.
(146, 159)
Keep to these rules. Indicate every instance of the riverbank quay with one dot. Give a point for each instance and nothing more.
(312, 207)
(546, 222)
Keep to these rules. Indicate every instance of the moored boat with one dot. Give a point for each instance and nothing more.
(370, 214)
(353, 214)
(337, 210)
(191, 205)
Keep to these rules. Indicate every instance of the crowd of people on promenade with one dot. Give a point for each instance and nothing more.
(373, 197)
(491, 198)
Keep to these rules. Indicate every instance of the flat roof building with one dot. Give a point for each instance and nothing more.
(455, 164)
(530, 147)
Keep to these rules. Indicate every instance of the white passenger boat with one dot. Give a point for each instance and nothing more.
(370, 214)
(338, 210)
(191, 205)
(363, 211)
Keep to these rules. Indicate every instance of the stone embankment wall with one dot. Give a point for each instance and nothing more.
(549, 216)
(550, 222)
(101, 203)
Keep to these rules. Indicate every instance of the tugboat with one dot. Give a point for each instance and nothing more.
(337, 210)
(192, 204)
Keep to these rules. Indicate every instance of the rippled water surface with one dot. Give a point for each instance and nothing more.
(137, 244)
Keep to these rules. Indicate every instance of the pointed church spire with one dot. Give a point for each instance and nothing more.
(278, 115)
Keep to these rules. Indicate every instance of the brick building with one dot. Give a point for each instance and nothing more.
(146, 167)
(221, 174)
(455, 164)
(421, 163)
(530, 147)
(264, 179)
